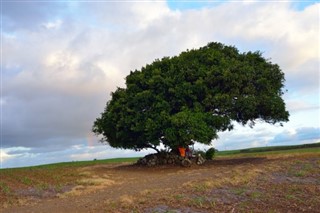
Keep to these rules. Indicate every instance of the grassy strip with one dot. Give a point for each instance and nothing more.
(270, 149)
(268, 153)
(77, 163)
(89, 163)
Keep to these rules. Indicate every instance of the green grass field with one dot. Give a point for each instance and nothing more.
(88, 163)
(77, 163)
(258, 151)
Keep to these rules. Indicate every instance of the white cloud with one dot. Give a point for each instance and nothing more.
(301, 105)
(84, 152)
(298, 136)
(2, 101)
(149, 12)
(5, 156)
(53, 25)
(245, 137)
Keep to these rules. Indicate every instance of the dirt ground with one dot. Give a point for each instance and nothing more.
(268, 184)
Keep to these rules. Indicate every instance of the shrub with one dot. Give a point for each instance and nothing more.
(210, 153)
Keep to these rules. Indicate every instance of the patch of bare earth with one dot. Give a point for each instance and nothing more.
(284, 184)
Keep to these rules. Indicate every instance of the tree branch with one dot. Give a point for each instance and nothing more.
(152, 147)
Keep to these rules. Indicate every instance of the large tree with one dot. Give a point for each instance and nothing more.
(191, 97)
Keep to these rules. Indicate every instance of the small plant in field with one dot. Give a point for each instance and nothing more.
(27, 181)
(58, 187)
(243, 207)
(201, 187)
(302, 169)
(85, 182)
(42, 186)
(239, 191)
(114, 205)
(179, 197)
(300, 173)
(255, 195)
(307, 166)
(198, 201)
(5, 188)
(170, 211)
(57, 178)
(212, 203)
(290, 196)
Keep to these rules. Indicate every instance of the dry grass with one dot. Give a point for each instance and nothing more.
(126, 200)
(236, 177)
(238, 185)
(89, 183)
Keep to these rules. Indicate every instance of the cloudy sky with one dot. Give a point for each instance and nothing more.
(61, 59)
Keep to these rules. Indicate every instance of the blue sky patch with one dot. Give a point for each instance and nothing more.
(188, 5)
(301, 5)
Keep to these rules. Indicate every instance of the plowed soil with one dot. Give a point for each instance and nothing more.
(268, 184)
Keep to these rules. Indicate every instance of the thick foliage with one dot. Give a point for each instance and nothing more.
(210, 153)
(192, 97)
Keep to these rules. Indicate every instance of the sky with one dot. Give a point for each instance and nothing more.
(60, 60)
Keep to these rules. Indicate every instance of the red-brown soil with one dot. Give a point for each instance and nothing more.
(282, 184)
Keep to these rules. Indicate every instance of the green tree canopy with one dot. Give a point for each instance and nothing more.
(191, 97)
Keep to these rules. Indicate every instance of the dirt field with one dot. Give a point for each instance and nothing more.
(252, 184)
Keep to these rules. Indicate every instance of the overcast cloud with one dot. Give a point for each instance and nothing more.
(61, 60)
